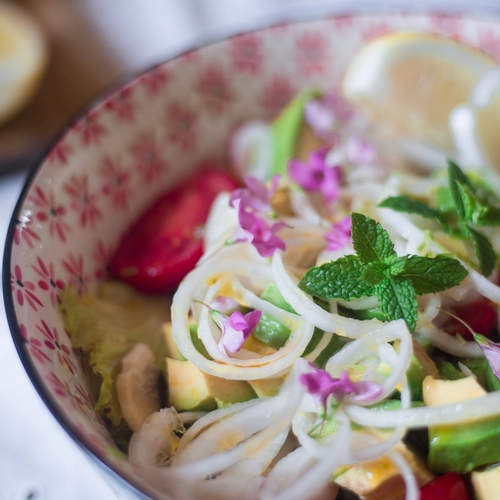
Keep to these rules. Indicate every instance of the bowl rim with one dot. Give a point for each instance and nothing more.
(97, 456)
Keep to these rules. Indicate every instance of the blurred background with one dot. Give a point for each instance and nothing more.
(55, 57)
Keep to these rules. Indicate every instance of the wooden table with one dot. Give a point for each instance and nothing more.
(80, 67)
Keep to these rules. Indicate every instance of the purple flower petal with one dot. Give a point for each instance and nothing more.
(256, 196)
(316, 175)
(235, 328)
(321, 383)
(326, 114)
(260, 233)
(225, 305)
(360, 152)
(366, 391)
(491, 352)
(340, 235)
(300, 173)
(319, 117)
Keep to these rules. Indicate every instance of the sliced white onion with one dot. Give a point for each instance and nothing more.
(451, 344)
(366, 346)
(413, 418)
(293, 465)
(319, 473)
(400, 224)
(325, 340)
(196, 284)
(242, 480)
(430, 312)
(381, 448)
(484, 286)
(412, 489)
(253, 141)
(230, 430)
(210, 418)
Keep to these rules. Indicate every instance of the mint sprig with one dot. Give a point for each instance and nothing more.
(376, 270)
(473, 208)
(412, 206)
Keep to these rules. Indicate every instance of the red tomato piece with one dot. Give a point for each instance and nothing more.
(451, 486)
(164, 244)
(481, 316)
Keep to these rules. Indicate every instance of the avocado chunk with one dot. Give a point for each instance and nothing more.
(266, 387)
(486, 483)
(336, 343)
(274, 335)
(188, 388)
(479, 368)
(491, 379)
(287, 131)
(460, 447)
(271, 331)
(172, 349)
(448, 371)
(380, 478)
(362, 314)
(272, 294)
(421, 365)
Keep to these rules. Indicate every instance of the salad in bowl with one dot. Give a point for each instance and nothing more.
(317, 319)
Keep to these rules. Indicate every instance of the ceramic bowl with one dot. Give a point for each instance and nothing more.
(133, 144)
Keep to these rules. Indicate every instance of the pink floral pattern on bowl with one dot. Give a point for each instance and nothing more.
(135, 143)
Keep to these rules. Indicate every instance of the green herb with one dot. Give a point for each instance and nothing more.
(484, 251)
(473, 206)
(377, 270)
(411, 206)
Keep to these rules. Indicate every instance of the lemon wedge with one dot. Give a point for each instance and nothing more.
(409, 82)
(23, 58)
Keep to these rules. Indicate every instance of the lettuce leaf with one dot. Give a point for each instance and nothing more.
(106, 326)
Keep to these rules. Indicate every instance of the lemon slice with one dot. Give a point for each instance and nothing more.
(409, 82)
(23, 58)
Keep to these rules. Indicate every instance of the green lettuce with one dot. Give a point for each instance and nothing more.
(106, 326)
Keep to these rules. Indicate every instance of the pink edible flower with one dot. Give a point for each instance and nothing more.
(224, 304)
(253, 204)
(321, 383)
(326, 114)
(491, 351)
(259, 232)
(256, 197)
(235, 328)
(359, 151)
(340, 235)
(316, 175)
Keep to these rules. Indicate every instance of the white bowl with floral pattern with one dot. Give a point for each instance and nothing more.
(133, 144)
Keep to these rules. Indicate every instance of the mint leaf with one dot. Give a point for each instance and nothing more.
(370, 240)
(411, 206)
(490, 216)
(484, 251)
(470, 205)
(457, 178)
(340, 279)
(429, 275)
(373, 273)
(398, 300)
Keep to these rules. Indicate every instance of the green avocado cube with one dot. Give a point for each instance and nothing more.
(462, 448)
(271, 331)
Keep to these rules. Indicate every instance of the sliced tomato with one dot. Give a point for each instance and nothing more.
(451, 486)
(480, 315)
(164, 244)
